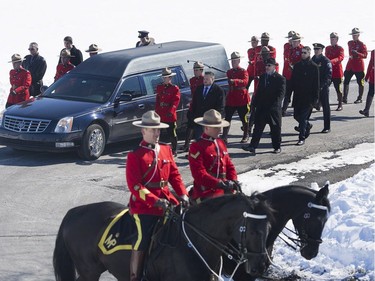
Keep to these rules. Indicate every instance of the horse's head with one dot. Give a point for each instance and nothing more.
(310, 223)
(252, 234)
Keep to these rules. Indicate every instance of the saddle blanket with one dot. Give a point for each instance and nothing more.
(119, 234)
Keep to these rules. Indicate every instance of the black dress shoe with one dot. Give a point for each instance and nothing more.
(249, 148)
(365, 113)
(277, 151)
(339, 108)
(300, 142)
(358, 101)
(296, 128)
(326, 131)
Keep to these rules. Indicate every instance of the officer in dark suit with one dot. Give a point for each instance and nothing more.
(207, 96)
(325, 73)
(267, 103)
(305, 83)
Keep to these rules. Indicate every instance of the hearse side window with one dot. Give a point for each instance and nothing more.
(153, 79)
(183, 83)
(131, 86)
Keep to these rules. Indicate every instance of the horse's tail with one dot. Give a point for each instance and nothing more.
(63, 264)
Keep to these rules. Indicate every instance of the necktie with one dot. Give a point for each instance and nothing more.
(205, 92)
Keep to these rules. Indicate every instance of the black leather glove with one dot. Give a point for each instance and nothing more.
(237, 186)
(185, 201)
(227, 186)
(162, 203)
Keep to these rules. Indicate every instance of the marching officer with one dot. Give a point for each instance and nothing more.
(287, 70)
(20, 81)
(65, 65)
(325, 77)
(251, 55)
(370, 79)
(149, 169)
(336, 54)
(195, 81)
(355, 65)
(210, 165)
(167, 100)
(294, 57)
(238, 98)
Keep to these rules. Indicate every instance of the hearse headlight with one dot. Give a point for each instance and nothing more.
(64, 125)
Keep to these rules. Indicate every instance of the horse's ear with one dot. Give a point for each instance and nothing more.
(322, 193)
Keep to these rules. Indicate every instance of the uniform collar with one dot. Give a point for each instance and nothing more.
(147, 145)
(207, 137)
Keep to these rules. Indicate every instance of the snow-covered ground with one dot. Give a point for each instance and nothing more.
(348, 248)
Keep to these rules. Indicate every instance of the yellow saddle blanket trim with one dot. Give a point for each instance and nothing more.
(111, 241)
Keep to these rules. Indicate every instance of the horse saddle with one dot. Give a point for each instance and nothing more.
(119, 234)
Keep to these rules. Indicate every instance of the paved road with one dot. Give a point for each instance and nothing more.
(38, 188)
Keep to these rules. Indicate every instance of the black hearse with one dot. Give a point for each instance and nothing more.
(96, 103)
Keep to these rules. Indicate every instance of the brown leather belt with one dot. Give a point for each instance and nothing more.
(221, 176)
(160, 184)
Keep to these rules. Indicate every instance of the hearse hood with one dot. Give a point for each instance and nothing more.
(51, 109)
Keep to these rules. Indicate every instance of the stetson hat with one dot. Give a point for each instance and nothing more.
(296, 37)
(265, 50)
(290, 34)
(334, 35)
(198, 65)
(16, 58)
(150, 119)
(93, 48)
(355, 30)
(211, 118)
(166, 72)
(254, 39)
(235, 56)
(318, 46)
(65, 54)
(265, 36)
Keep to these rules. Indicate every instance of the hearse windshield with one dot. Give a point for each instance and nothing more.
(82, 88)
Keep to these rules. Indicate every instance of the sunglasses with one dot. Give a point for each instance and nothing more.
(269, 65)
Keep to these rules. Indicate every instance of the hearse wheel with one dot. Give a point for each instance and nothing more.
(93, 143)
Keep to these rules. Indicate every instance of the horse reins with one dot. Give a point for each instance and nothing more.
(229, 251)
(303, 237)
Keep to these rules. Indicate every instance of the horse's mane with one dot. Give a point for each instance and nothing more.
(303, 190)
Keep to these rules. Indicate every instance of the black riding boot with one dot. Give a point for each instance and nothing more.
(225, 134)
(361, 89)
(366, 111)
(136, 265)
(188, 137)
(245, 136)
(346, 92)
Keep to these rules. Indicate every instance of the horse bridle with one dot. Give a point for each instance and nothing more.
(304, 238)
(238, 255)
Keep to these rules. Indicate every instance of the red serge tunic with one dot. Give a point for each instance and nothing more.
(21, 79)
(294, 57)
(251, 67)
(287, 71)
(370, 69)
(238, 94)
(209, 163)
(355, 62)
(149, 169)
(167, 100)
(62, 69)
(194, 83)
(336, 55)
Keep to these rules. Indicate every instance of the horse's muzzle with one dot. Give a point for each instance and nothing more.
(256, 263)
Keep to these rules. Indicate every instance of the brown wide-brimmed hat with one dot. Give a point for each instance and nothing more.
(198, 65)
(211, 118)
(65, 54)
(265, 50)
(93, 48)
(150, 119)
(166, 72)
(16, 58)
(235, 56)
(265, 36)
(355, 31)
(296, 37)
(254, 39)
(334, 35)
(290, 34)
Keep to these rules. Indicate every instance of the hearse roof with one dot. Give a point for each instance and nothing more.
(120, 63)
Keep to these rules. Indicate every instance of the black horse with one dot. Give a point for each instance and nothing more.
(308, 209)
(198, 239)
